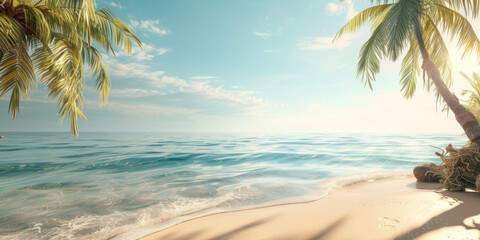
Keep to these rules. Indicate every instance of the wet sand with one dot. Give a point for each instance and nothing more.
(396, 208)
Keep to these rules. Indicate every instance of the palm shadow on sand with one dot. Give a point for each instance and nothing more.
(225, 235)
(468, 206)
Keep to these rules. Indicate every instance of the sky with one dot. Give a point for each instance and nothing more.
(243, 66)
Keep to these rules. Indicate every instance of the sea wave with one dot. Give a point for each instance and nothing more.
(325, 187)
(100, 186)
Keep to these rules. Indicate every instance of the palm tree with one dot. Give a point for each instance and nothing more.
(416, 26)
(57, 40)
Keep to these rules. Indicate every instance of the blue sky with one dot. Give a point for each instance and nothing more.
(240, 66)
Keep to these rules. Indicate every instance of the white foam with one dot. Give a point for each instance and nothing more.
(135, 224)
(352, 179)
(324, 187)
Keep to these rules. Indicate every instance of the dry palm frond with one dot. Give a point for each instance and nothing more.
(460, 167)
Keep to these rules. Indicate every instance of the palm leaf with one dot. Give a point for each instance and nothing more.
(473, 101)
(470, 7)
(366, 15)
(459, 27)
(113, 28)
(410, 70)
(62, 71)
(93, 59)
(398, 24)
(11, 33)
(16, 76)
(63, 35)
(35, 22)
(370, 54)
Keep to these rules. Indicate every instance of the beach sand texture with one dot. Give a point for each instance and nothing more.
(398, 208)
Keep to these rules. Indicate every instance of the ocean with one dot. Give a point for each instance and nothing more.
(125, 185)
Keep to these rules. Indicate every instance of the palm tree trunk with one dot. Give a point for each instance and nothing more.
(464, 117)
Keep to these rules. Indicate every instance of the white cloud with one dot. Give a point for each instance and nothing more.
(203, 77)
(134, 92)
(326, 43)
(130, 70)
(243, 97)
(268, 31)
(157, 80)
(148, 53)
(262, 34)
(337, 9)
(149, 109)
(350, 9)
(116, 5)
(152, 26)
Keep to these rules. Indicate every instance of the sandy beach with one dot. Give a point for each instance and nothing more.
(249, 120)
(398, 208)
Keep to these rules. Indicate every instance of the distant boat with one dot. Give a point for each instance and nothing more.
(2, 137)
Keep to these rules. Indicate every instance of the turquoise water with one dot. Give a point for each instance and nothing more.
(104, 185)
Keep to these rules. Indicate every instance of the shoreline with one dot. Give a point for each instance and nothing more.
(389, 208)
(323, 189)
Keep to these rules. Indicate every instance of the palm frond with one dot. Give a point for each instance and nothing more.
(398, 23)
(470, 7)
(473, 102)
(60, 19)
(35, 22)
(459, 27)
(16, 75)
(113, 28)
(64, 36)
(375, 22)
(370, 54)
(62, 71)
(93, 59)
(11, 32)
(410, 70)
(364, 16)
